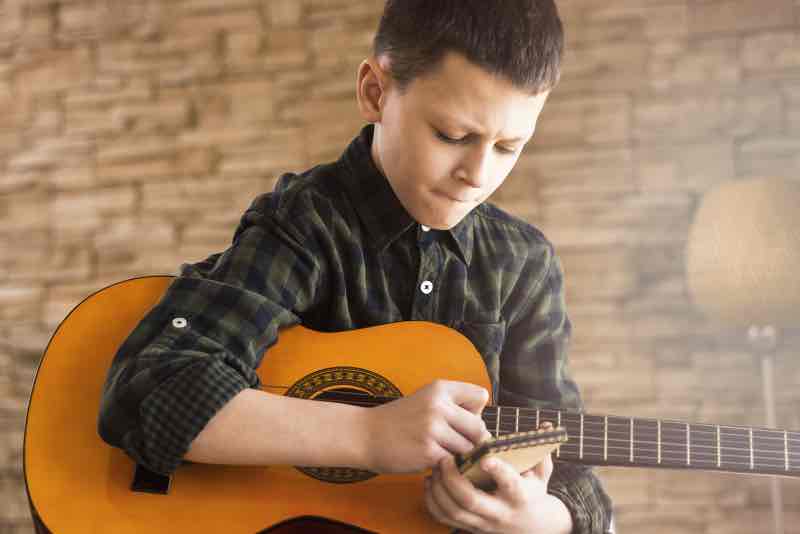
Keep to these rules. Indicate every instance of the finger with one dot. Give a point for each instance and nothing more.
(509, 482)
(469, 425)
(459, 500)
(544, 469)
(471, 397)
(433, 507)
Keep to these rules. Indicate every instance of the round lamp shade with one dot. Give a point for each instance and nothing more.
(743, 253)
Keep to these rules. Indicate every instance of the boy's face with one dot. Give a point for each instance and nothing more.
(439, 181)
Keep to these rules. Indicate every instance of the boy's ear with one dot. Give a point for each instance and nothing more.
(371, 87)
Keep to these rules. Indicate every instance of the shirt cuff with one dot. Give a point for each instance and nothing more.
(175, 413)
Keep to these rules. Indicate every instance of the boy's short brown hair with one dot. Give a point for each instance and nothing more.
(521, 40)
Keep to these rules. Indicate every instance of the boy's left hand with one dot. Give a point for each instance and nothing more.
(520, 505)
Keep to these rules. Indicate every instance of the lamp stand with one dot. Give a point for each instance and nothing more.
(763, 341)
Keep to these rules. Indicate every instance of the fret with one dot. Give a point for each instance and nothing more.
(497, 423)
(719, 449)
(605, 438)
(580, 453)
(631, 439)
(769, 450)
(752, 459)
(793, 448)
(516, 422)
(659, 442)
(786, 448)
(688, 445)
(537, 418)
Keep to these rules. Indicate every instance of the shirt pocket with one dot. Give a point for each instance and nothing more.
(488, 339)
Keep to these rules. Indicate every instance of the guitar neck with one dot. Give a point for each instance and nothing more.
(637, 442)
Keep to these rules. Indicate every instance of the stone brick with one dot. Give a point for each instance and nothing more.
(605, 68)
(340, 45)
(626, 21)
(55, 71)
(160, 116)
(211, 6)
(17, 181)
(282, 151)
(569, 173)
(769, 156)
(695, 167)
(49, 153)
(18, 302)
(341, 12)
(46, 119)
(661, 519)
(283, 13)
(791, 94)
(698, 117)
(14, 115)
(697, 64)
(631, 487)
(114, 89)
(24, 215)
(245, 20)
(766, 54)
(597, 273)
(135, 149)
(603, 120)
(715, 16)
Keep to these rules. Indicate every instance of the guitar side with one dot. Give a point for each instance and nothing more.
(77, 483)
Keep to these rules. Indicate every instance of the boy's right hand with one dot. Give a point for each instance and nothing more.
(413, 433)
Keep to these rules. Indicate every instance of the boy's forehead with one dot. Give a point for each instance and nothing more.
(456, 82)
(458, 91)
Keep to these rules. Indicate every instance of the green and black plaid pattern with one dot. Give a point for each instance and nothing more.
(333, 248)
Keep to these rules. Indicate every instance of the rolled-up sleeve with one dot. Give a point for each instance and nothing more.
(200, 345)
(534, 373)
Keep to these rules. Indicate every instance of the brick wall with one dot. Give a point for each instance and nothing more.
(134, 132)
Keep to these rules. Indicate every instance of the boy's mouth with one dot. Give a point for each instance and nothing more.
(452, 198)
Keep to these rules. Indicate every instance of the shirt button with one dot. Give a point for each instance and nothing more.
(179, 322)
(426, 287)
(424, 228)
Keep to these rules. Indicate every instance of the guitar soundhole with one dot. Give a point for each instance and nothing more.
(349, 385)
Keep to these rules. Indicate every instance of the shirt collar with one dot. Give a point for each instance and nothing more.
(377, 205)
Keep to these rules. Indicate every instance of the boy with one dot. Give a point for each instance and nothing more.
(396, 229)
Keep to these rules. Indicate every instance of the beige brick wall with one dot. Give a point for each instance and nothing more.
(134, 132)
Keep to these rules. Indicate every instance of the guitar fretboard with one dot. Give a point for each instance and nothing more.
(630, 441)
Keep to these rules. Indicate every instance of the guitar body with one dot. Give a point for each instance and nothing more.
(77, 484)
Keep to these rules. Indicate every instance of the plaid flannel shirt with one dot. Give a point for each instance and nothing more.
(334, 249)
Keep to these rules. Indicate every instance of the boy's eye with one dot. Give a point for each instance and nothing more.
(452, 140)
(444, 137)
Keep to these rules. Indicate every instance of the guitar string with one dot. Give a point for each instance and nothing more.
(696, 454)
(588, 418)
(572, 417)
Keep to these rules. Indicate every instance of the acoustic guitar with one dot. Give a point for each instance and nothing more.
(77, 484)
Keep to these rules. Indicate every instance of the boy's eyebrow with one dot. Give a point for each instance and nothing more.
(463, 125)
